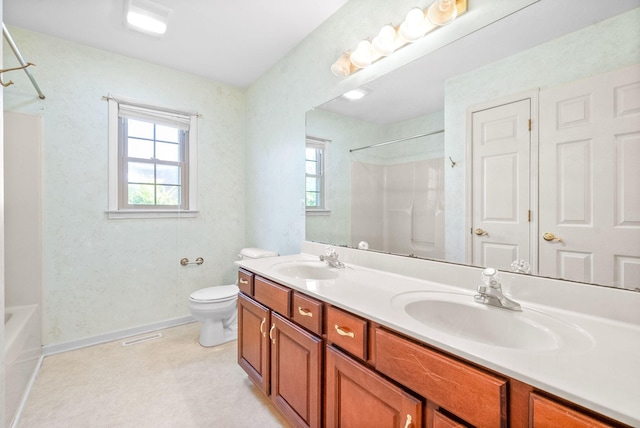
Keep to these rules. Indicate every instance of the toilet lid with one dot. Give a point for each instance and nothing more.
(217, 293)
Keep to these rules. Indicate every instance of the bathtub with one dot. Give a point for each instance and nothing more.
(22, 355)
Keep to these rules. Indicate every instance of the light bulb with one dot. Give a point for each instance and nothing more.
(385, 42)
(363, 55)
(342, 67)
(413, 27)
(442, 12)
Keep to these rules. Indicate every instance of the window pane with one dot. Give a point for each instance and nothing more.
(168, 174)
(142, 149)
(138, 128)
(140, 173)
(140, 194)
(311, 154)
(311, 167)
(312, 199)
(167, 133)
(168, 195)
(312, 184)
(168, 152)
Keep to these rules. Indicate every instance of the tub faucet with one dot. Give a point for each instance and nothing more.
(491, 292)
(331, 257)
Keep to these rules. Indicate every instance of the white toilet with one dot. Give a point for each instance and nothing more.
(216, 307)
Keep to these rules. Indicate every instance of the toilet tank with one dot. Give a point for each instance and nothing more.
(256, 253)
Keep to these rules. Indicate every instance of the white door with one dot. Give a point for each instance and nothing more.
(501, 147)
(590, 180)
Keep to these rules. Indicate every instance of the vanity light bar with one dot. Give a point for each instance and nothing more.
(415, 26)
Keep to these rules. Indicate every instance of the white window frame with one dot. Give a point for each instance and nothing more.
(116, 210)
(322, 144)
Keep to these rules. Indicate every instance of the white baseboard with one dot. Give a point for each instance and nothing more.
(58, 348)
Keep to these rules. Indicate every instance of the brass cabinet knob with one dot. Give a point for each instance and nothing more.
(480, 232)
(551, 237)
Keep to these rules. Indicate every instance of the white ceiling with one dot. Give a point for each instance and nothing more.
(229, 41)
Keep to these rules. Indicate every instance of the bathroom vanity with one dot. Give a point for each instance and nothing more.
(351, 347)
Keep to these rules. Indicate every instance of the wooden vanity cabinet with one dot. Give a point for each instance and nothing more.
(356, 396)
(281, 358)
(375, 377)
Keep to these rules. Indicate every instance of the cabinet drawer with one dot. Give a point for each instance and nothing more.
(347, 331)
(245, 282)
(275, 296)
(443, 421)
(475, 396)
(544, 412)
(307, 312)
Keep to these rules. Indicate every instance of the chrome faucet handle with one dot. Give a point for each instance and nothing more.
(491, 278)
(521, 266)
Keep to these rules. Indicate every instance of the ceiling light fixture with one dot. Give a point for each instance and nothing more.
(355, 94)
(416, 24)
(147, 17)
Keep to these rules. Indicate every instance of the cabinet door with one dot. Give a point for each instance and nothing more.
(359, 397)
(296, 364)
(253, 343)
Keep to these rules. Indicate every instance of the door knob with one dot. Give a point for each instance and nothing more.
(551, 237)
(480, 232)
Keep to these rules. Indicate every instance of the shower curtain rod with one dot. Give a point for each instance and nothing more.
(23, 63)
(397, 141)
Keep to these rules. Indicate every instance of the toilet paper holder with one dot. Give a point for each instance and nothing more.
(185, 261)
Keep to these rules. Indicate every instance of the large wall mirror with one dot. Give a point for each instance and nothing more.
(409, 167)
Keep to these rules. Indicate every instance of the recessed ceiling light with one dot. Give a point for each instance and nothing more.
(355, 94)
(147, 17)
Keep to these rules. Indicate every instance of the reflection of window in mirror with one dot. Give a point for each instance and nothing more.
(315, 178)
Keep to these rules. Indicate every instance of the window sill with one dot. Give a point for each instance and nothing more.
(129, 214)
(318, 212)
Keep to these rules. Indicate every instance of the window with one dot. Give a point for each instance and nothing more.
(315, 185)
(151, 161)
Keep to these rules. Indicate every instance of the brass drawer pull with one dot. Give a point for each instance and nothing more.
(344, 332)
(264, 333)
(305, 312)
(409, 423)
(243, 281)
(273, 326)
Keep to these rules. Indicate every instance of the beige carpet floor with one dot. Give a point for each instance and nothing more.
(167, 382)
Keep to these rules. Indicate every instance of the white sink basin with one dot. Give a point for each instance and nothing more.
(310, 269)
(460, 316)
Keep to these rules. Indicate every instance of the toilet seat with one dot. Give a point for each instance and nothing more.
(220, 293)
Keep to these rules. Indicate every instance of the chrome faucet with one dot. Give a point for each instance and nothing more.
(331, 257)
(491, 292)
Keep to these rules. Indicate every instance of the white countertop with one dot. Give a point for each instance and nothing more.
(602, 372)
